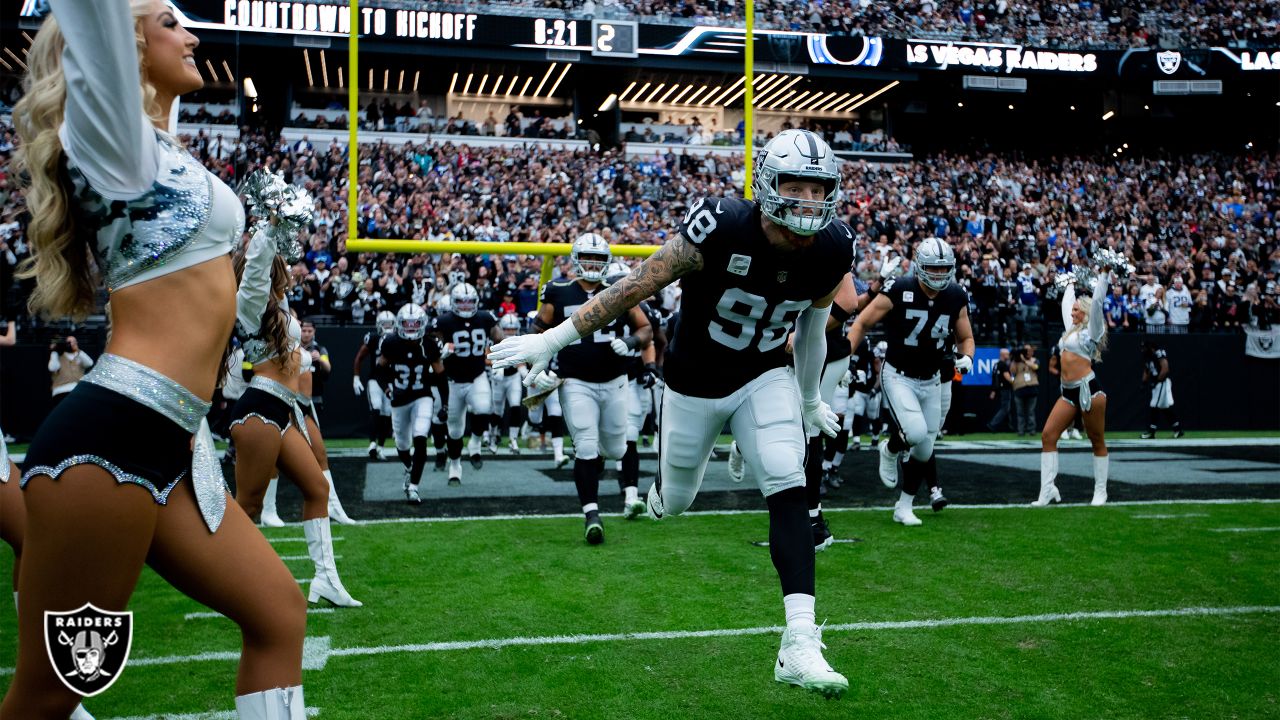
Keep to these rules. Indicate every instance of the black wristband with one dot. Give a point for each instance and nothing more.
(632, 342)
(839, 313)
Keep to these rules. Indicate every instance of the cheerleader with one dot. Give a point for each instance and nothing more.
(1082, 345)
(124, 471)
(312, 419)
(268, 426)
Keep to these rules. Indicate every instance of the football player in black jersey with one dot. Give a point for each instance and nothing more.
(750, 272)
(593, 393)
(414, 361)
(508, 388)
(865, 399)
(1155, 374)
(379, 404)
(466, 332)
(920, 311)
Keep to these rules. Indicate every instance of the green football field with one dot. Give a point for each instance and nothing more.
(1129, 611)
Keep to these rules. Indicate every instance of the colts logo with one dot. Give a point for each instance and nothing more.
(1169, 61)
(88, 647)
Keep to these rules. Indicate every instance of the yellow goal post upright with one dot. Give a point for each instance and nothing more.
(414, 247)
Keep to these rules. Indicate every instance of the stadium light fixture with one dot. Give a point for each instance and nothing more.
(466, 86)
(813, 101)
(324, 69)
(676, 100)
(1109, 114)
(1010, 106)
(736, 95)
(959, 104)
(386, 79)
(655, 92)
(636, 97)
(497, 85)
(563, 72)
(875, 94)
(848, 104)
(453, 83)
(209, 64)
(416, 73)
(230, 77)
(667, 94)
(250, 90)
(525, 88)
(731, 88)
(6, 65)
(825, 107)
(1073, 108)
(707, 100)
(483, 80)
(306, 58)
(623, 95)
(512, 86)
(341, 83)
(1146, 107)
(778, 91)
(694, 97)
(543, 82)
(608, 103)
(795, 100)
(777, 100)
(400, 82)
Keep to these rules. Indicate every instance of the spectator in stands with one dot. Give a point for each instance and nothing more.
(67, 365)
(1024, 371)
(1114, 307)
(1178, 301)
(1001, 392)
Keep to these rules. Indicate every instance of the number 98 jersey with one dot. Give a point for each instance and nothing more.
(409, 367)
(470, 338)
(737, 311)
(919, 328)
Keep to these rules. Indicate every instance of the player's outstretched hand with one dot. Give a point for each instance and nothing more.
(891, 268)
(357, 386)
(533, 350)
(964, 364)
(819, 415)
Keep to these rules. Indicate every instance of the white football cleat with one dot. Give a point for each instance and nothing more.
(455, 471)
(632, 510)
(888, 465)
(737, 463)
(653, 502)
(800, 662)
(1075, 434)
(514, 446)
(906, 516)
(411, 494)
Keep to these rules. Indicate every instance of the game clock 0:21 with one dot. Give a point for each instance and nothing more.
(556, 33)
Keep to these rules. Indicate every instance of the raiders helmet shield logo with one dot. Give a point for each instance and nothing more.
(1169, 60)
(88, 647)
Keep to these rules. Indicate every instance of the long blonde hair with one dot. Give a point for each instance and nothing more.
(61, 261)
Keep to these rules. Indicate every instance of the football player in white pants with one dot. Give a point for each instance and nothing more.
(373, 389)
(413, 359)
(1155, 372)
(920, 310)
(508, 389)
(466, 333)
(750, 272)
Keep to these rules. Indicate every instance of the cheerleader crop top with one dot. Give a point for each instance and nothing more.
(148, 207)
(1083, 340)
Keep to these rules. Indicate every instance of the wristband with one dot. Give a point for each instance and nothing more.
(562, 335)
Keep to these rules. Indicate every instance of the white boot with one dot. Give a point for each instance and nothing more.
(1048, 473)
(326, 583)
(274, 704)
(1101, 469)
(336, 513)
(270, 518)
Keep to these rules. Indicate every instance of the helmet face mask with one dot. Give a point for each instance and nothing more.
(590, 256)
(797, 156)
(935, 263)
(510, 325)
(464, 300)
(386, 322)
(411, 322)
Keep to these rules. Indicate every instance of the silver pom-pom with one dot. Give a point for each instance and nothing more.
(268, 195)
(1082, 276)
(1118, 264)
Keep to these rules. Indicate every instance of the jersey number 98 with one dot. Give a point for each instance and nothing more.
(742, 312)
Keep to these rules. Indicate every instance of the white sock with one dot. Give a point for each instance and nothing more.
(557, 444)
(905, 500)
(839, 458)
(631, 494)
(799, 608)
(826, 465)
(328, 475)
(814, 512)
(1101, 468)
(473, 446)
(513, 432)
(590, 507)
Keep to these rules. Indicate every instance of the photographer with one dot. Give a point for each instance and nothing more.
(1025, 370)
(1002, 392)
(67, 364)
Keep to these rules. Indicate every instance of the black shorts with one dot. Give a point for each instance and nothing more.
(97, 426)
(263, 405)
(1072, 395)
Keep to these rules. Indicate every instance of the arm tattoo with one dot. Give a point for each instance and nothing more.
(670, 262)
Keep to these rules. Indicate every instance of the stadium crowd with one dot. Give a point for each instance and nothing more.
(1077, 24)
(1201, 230)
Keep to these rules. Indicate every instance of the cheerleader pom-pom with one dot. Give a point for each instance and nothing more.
(269, 196)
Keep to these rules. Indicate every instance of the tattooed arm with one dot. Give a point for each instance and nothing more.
(664, 267)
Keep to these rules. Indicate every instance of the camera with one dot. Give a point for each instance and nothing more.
(62, 346)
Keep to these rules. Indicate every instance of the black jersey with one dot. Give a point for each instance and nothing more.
(590, 359)
(919, 328)
(374, 340)
(737, 311)
(863, 360)
(635, 363)
(470, 338)
(409, 365)
(1153, 358)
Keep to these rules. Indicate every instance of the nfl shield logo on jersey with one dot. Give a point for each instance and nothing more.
(88, 647)
(1169, 60)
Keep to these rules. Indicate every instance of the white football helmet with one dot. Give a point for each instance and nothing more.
(797, 155)
(881, 348)
(464, 299)
(509, 324)
(935, 263)
(411, 322)
(590, 256)
(386, 322)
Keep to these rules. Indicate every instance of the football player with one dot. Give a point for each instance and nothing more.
(594, 390)
(750, 272)
(865, 397)
(379, 405)
(1155, 374)
(508, 388)
(414, 361)
(466, 332)
(920, 312)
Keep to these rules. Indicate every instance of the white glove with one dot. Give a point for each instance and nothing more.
(819, 415)
(862, 377)
(845, 379)
(891, 268)
(543, 381)
(620, 347)
(357, 386)
(446, 351)
(532, 350)
(964, 364)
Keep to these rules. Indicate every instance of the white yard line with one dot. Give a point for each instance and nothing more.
(317, 651)
(297, 539)
(1246, 530)
(1168, 516)
(212, 715)
(215, 615)
(304, 557)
